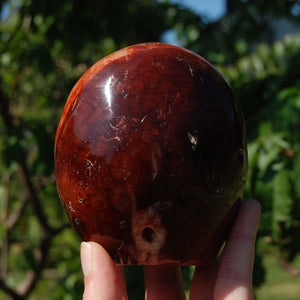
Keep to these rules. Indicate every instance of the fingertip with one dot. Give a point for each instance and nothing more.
(249, 215)
(103, 278)
(86, 258)
(253, 204)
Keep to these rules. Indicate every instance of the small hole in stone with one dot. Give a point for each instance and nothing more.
(148, 234)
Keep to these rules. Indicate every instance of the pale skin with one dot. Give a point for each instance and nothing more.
(229, 278)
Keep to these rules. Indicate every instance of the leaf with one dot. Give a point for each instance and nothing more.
(288, 93)
(253, 154)
(282, 200)
(296, 174)
(267, 157)
(265, 129)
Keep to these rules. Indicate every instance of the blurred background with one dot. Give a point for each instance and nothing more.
(45, 46)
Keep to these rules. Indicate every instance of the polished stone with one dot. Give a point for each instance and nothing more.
(150, 156)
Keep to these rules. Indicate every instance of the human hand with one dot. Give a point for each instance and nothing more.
(230, 277)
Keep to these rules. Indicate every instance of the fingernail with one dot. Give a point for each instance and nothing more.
(86, 258)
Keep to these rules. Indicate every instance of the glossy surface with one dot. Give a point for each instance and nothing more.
(150, 156)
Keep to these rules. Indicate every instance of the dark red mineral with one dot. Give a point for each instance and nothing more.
(150, 156)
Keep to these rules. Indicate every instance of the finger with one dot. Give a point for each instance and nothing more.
(103, 279)
(234, 279)
(163, 282)
(203, 282)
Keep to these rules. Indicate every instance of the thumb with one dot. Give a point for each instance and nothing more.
(103, 279)
(235, 273)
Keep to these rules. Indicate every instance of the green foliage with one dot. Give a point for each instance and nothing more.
(267, 85)
(279, 284)
(45, 46)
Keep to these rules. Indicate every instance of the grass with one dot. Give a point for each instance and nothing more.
(278, 285)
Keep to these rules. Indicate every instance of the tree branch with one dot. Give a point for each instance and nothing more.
(4, 110)
(41, 260)
(33, 277)
(3, 217)
(14, 217)
(8, 121)
(39, 211)
(48, 232)
(9, 291)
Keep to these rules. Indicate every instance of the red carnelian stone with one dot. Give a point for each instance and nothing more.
(150, 156)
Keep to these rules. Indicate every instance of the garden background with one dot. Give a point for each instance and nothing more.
(45, 46)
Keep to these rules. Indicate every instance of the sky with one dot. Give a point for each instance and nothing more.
(213, 9)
